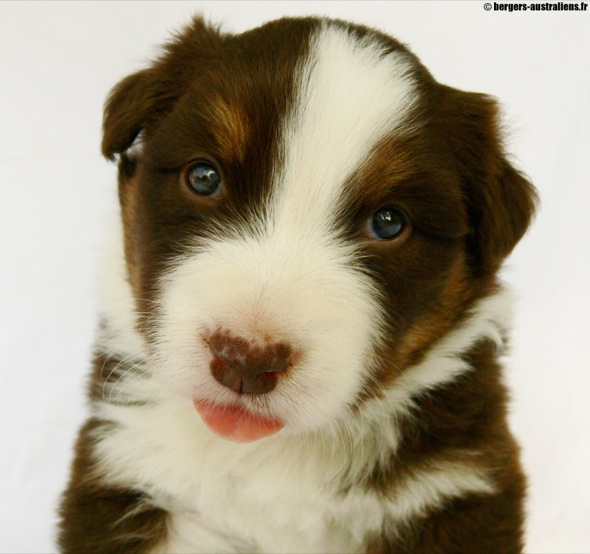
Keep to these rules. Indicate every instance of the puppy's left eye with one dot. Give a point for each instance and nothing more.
(203, 178)
(387, 223)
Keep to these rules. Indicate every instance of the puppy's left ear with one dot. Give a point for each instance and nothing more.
(500, 200)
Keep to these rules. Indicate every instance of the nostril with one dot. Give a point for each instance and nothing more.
(246, 367)
(225, 375)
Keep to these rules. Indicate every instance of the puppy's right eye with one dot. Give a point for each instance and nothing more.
(203, 178)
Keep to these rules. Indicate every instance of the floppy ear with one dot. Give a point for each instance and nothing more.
(140, 100)
(501, 202)
(127, 111)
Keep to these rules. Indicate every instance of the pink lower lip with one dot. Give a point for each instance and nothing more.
(236, 423)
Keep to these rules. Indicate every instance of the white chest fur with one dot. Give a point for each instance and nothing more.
(275, 495)
(285, 493)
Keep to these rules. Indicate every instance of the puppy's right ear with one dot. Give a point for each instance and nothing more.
(127, 110)
(139, 101)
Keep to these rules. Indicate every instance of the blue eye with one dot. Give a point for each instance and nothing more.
(203, 178)
(387, 223)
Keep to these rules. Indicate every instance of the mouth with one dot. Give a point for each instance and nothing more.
(235, 423)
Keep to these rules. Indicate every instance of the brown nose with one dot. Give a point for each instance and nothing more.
(244, 367)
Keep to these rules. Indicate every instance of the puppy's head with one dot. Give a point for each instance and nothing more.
(305, 211)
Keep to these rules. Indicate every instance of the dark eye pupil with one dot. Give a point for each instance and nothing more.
(387, 223)
(204, 179)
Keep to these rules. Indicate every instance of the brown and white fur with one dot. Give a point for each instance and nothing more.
(393, 430)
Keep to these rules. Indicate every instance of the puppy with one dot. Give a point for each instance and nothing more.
(302, 324)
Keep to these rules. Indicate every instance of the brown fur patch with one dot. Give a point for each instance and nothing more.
(99, 519)
(233, 128)
(464, 421)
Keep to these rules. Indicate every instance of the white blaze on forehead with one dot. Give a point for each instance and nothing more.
(351, 94)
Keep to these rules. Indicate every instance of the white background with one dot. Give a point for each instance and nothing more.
(57, 63)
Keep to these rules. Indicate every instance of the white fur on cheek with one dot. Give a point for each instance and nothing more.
(293, 278)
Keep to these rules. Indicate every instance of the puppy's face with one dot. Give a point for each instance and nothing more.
(306, 211)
